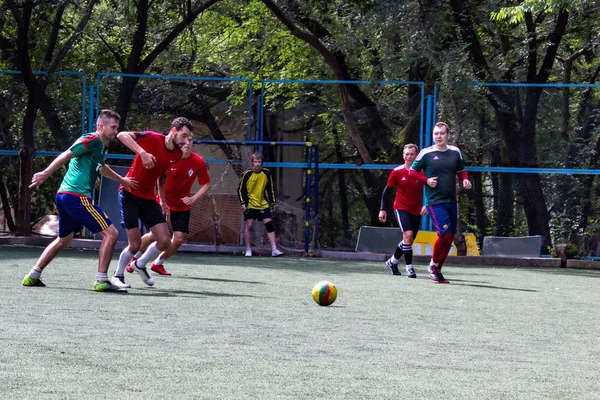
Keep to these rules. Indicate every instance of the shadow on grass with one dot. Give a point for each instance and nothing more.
(184, 293)
(217, 280)
(490, 286)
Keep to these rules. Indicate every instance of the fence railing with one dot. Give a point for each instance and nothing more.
(532, 150)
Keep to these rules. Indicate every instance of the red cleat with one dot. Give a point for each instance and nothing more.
(160, 269)
(129, 267)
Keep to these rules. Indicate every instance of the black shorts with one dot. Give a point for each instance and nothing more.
(135, 208)
(180, 221)
(259, 215)
(408, 221)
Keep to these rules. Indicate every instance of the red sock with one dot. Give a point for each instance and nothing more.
(446, 252)
(441, 247)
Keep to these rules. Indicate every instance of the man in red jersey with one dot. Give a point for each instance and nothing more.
(176, 200)
(155, 154)
(408, 208)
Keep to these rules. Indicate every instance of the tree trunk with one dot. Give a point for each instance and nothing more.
(26, 155)
(6, 205)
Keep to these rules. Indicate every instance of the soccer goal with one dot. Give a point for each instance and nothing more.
(218, 218)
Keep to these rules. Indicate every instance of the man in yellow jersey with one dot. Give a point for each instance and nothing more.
(256, 196)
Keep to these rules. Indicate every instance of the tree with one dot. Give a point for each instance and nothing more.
(27, 15)
(518, 125)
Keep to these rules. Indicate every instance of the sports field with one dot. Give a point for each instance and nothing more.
(225, 327)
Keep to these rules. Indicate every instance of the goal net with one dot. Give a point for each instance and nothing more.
(218, 217)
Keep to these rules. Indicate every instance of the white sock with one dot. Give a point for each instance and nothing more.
(101, 277)
(124, 259)
(35, 273)
(394, 260)
(273, 247)
(151, 253)
(159, 261)
(138, 255)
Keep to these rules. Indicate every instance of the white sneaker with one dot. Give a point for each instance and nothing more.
(248, 253)
(119, 281)
(276, 253)
(148, 280)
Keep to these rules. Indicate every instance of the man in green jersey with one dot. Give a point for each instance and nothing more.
(74, 202)
(441, 164)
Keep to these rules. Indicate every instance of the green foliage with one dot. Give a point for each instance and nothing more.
(516, 14)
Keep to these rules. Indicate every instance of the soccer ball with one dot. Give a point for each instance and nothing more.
(324, 293)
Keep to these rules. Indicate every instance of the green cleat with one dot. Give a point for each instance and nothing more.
(29, 281)
(105, 287)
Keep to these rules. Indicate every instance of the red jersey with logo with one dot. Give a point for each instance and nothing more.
(153, 143)
(180, 179)
(409, 190)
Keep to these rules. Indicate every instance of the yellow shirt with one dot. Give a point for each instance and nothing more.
(256, 189)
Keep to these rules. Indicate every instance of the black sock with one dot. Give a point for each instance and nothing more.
(408, 253)
(398, 253)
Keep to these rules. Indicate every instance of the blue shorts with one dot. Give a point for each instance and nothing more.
(75, 212)
(444, 217)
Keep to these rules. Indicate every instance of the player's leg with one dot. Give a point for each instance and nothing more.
(49, 253)
(147, 239)
(270, 227)
(67, 226)
(249, 217)
(392, 262)
(453, 214)
(441, 221)
(96, 221)
(130, 211)
(408, 237)
(152, 216)
(180, 221)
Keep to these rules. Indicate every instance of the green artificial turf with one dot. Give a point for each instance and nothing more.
(230, 327)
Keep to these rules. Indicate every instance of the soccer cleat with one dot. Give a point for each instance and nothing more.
(160, 269)
(276, 253)
(393, 267)
(248, 253)
(435, 274)
(410, 272)
(129, 267)
(143, 272)
(29, 281)
(119, 281)
(442, 279)
(105, 287)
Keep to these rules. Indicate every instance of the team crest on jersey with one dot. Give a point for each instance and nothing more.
(190, 172)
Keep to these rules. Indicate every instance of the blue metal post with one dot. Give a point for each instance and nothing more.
(91, 108)
(307, 217)
(428, 121)
(316, 197)
(249, 134)
(435, 96)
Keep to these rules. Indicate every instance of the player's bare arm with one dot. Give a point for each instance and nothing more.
(58, 162)
(161, 183)
(189, 200)
(109, 173)
(128, 139)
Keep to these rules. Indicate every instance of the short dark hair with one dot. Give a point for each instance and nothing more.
(257, 156)
(445, 125)
(410, 146)
(179, 122)
(107, 114)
